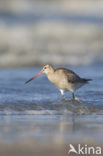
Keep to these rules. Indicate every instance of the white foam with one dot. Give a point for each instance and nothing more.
(35, 112)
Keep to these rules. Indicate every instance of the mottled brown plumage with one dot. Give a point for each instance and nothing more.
(64, 79)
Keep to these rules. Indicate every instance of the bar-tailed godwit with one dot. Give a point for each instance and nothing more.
(64, 79)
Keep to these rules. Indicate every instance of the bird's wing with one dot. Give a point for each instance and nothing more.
(71, 76)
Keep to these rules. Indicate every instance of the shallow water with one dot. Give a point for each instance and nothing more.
(36, 110)
(42, 97)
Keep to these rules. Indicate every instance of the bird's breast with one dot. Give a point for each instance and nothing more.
(58, 80)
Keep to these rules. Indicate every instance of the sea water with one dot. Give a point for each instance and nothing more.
(37, 111)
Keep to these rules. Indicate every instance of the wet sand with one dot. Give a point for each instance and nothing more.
(32, 148)
(48, 135)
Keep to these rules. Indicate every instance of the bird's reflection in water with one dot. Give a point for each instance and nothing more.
(72, 129)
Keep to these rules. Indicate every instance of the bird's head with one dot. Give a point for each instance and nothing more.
(46, 69)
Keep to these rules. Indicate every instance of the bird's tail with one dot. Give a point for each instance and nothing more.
(86, 80)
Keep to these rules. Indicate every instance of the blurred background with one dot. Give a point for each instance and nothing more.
(35, 32)
(34, 120)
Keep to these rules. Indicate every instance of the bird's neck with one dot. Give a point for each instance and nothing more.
(50, 73)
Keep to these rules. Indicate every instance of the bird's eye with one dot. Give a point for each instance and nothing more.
(44, 67)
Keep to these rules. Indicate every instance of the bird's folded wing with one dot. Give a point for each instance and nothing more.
(72, 77)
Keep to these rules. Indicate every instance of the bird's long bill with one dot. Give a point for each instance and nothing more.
(34, 77)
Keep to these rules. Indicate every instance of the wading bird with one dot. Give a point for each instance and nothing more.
(64, 79)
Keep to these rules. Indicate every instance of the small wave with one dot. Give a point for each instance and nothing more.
(34, 112)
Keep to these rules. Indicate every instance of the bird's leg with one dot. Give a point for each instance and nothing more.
(73, 97)
(62, 93)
